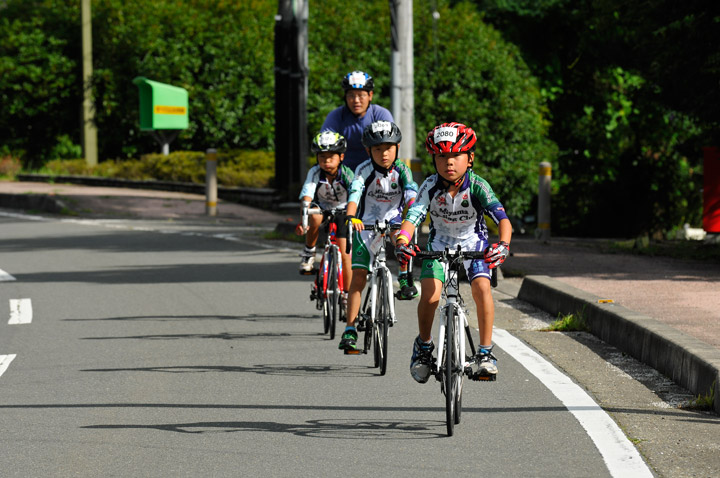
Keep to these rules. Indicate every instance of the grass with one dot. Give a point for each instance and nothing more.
(284, 236)
(703, 402)
(569, 323)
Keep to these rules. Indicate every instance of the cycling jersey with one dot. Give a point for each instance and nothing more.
(342, 120)
(381, 195)
(326, 194)
(456, 220)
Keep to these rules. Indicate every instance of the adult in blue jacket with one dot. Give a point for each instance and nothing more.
(351, 119)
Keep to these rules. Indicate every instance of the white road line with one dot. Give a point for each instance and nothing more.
(619, 454)
(5, 277)
(20, 311)
(5, 362)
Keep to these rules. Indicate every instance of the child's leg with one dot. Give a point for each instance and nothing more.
(482, 294)
(357, 284)
(429, 300)
(346, 263)
(311, 237)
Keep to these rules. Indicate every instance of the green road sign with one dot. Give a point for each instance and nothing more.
(161, 106)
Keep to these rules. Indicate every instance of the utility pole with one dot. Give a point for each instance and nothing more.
(89, 129)
(291, 79)
(403, 85)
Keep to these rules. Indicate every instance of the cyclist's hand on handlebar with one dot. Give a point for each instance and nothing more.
(300, 230)
(356, 223)
(497, 253)
(405, 252)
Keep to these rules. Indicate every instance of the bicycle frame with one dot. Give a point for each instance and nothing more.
(376, 327)
(325, 278)
(451, 292)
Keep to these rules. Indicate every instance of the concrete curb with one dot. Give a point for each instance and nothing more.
(688, 361)
(32, 202)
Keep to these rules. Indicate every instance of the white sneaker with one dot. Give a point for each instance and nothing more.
(487, 364)
(307, 263)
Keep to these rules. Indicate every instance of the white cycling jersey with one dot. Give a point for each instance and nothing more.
(326, 194)
(456, 220)
(381, 196)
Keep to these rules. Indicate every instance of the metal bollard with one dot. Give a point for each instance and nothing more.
(211, 182)
(543, 226)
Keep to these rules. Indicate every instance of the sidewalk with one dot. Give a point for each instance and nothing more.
(665, 312)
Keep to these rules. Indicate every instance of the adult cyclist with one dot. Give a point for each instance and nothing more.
(351, 119)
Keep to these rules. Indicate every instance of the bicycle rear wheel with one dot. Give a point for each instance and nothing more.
(449, 375)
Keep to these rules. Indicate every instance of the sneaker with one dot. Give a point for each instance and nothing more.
(349, 340)
(421, 361)
(487, 363)
(308, 258)
(407, 291)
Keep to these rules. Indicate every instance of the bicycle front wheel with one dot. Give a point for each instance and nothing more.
(333, 296)
(382, 325)
(449, 375)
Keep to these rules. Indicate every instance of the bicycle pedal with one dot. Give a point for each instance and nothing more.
(353, 352)
(483, 378)
(308, 273)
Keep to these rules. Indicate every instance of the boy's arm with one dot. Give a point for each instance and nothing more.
(351, 210)
(302, 227)
(505, 230)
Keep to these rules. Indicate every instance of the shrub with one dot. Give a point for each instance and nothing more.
(9, 166)
(236, 168)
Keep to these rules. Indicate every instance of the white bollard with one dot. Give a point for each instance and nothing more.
(543, 226)
(211, 182)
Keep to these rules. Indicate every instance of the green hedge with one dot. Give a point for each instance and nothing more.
(236, 168)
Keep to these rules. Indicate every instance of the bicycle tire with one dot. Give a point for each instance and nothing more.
(377, 346)
(333, 295)
(449, 373)
(459, 364)
(385, 328)
(382, 325)
(322, 295)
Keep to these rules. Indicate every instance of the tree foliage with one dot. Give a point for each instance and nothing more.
(628, 85)
(222, 53)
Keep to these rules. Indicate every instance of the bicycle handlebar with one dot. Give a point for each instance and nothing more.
(450, 254)
(382, 227)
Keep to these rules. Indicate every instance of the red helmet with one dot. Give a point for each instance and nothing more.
(451, 138)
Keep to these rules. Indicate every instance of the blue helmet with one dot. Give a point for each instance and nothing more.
(357, 80)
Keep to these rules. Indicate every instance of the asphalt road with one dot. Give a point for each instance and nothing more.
(181, 349)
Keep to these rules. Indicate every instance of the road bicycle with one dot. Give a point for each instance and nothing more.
(453, 364)
(328, 287)
(377, 313)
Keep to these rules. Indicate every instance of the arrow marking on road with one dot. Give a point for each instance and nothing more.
(20, 311)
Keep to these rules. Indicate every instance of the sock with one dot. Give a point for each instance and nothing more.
(309, 250)
(485, 349)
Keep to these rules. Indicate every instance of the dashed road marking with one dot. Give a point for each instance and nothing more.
(20, 311)
(5, 277)
(5, 362)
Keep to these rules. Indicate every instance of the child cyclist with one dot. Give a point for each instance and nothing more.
(457, 200)
(380, 190)
(327, 184)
